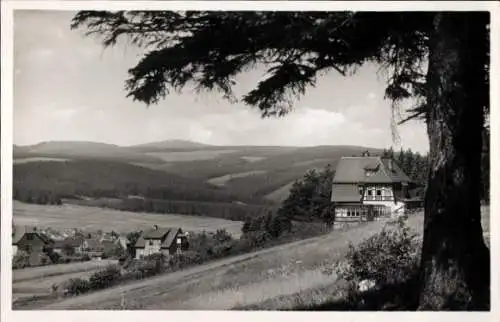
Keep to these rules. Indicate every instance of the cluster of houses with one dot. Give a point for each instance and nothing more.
(39, 243)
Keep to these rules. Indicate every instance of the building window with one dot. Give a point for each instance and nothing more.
(369, 192)
(379, 192)
(348, 213)
(360, 190)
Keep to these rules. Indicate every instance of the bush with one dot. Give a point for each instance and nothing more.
(387, 258)
(20, 260)
(54, 257)
(105, 278)
(77, 286)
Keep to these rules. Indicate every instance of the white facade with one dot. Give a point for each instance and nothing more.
(376, 195)
(153, 246)
(379, 195)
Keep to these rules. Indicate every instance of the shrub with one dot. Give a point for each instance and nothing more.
(387, 258)
(222, 236)
(20, 260)
(54, 257)
(77, 286)
(105, 278)
(255, 239)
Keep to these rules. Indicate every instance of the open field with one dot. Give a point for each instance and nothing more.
(33, 281)
(94, 218)
(178, 156)
(40, 272)
(37, 159)
(240, 280)
(280, 277)
(222, 180)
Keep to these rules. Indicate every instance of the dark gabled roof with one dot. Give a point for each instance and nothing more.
(158, 233)
(94, 244)
(166, 235)
(170, 237)
(71, 241)
(353, 170)
(20, 231)
(345, 193)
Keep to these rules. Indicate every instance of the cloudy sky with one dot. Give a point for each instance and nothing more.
(66, 87)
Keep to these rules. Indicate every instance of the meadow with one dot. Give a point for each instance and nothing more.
(38, 281)
(94, 218)
(280, 277)
(239, 280)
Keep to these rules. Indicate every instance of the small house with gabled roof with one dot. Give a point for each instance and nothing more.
(366, 186)
(167, 241)
(30, 240)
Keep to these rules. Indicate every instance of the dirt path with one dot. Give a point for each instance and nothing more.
(238, 280)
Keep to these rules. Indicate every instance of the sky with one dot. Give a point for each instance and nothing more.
(68, 88)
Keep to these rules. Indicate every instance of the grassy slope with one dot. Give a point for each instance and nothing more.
(239, 280)
(317, 296)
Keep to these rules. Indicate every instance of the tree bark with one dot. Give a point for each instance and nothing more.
(455, 264)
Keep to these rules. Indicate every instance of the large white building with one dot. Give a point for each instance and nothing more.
(368, 186)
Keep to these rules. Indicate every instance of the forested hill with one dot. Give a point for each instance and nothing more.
(186, 174)
(93, 178)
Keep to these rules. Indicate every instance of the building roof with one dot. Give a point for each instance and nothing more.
(156, 233)
(345, 193)
(170, 237)
(354, 170)
(166, 235)
(94, 244)
(20, 231)
(71, 241)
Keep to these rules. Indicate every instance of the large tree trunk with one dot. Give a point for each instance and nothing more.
(455, 267)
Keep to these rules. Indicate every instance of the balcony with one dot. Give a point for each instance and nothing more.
(379, 198)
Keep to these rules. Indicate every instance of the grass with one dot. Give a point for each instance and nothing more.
(189, 155)
(33, 284)
(289, 276)
(222, 180)
(32, 273)
(330, 295)
(94, 218)
(264, 274)
(38, 159)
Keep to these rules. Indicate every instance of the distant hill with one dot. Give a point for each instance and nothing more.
(173, 169)
(80, 149)
(96, 178)
(169, 145)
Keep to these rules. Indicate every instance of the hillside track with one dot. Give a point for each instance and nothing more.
(238, 280)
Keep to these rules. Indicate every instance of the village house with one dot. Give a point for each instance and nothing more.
(158, 240)
(368, 186)
(77, 244)
(31, 241)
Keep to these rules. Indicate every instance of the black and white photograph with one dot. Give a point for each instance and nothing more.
(253, 159)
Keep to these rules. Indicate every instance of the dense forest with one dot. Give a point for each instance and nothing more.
(97, 179)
